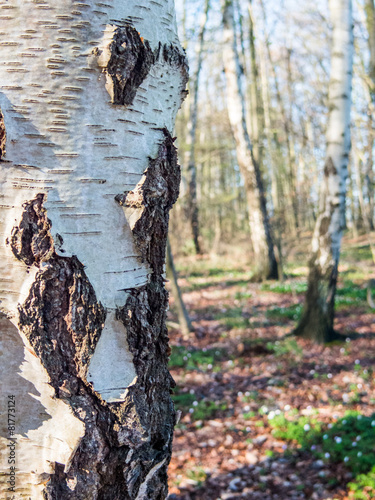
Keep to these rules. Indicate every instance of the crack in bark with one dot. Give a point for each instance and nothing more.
(3, 136)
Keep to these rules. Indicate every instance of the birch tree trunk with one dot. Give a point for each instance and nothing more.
(191, 138)
(88, 94)
(257, 108)
(258, 216)
(370, 21)
(318, 315)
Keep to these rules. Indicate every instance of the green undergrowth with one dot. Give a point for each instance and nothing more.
(196, 359)
(356, 253)
(350, 440)
(197, 474)
(203, 409)
(292, 312)
(233, 318)
(288, 346)
(297, 287)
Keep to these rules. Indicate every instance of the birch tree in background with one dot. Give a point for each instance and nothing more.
(191, 137)
(89, 94)
(370, 21)
(318, 315)
(261, 237)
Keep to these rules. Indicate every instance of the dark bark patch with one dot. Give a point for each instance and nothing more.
(329, 168)
(63, 322)
(3, 136)
(129, 64)
(144, 317)
(31, 241)
(155, 195)
(324, 225)
(131, 59)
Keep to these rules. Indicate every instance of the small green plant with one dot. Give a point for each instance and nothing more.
(363, 488)
(205, 409)
(357, 253)
(183, 400)
(350, 293)
(250, 396)
(199, 410)
(243, 295)
(350, 440)
(283, 347)
(233, 318)
(303, 429)
(259, 423)
(299, 287)
(197, 474)
(285, 313)
(190, 359)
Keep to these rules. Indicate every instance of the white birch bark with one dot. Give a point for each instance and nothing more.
(258, 217)
(317, 320)
(88, 97)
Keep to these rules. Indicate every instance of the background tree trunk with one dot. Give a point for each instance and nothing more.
(183, 316)
(191, 137)
(89, 96)
(370, 21)
(318, 315)
(258, 216)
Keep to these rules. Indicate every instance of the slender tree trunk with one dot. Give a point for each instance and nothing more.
(318, 315)
(364, 208)
(370, 21)
(257, 108)
(191, 138)
(89, 96)
(183, 316)
(258, 216)
(289, 176)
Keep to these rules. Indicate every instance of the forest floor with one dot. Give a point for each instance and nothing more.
(265, 415)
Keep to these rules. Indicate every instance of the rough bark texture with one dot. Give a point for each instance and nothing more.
(258, 215)
(130, 62)
(318, 315)
(2, 135)
(62, 320)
